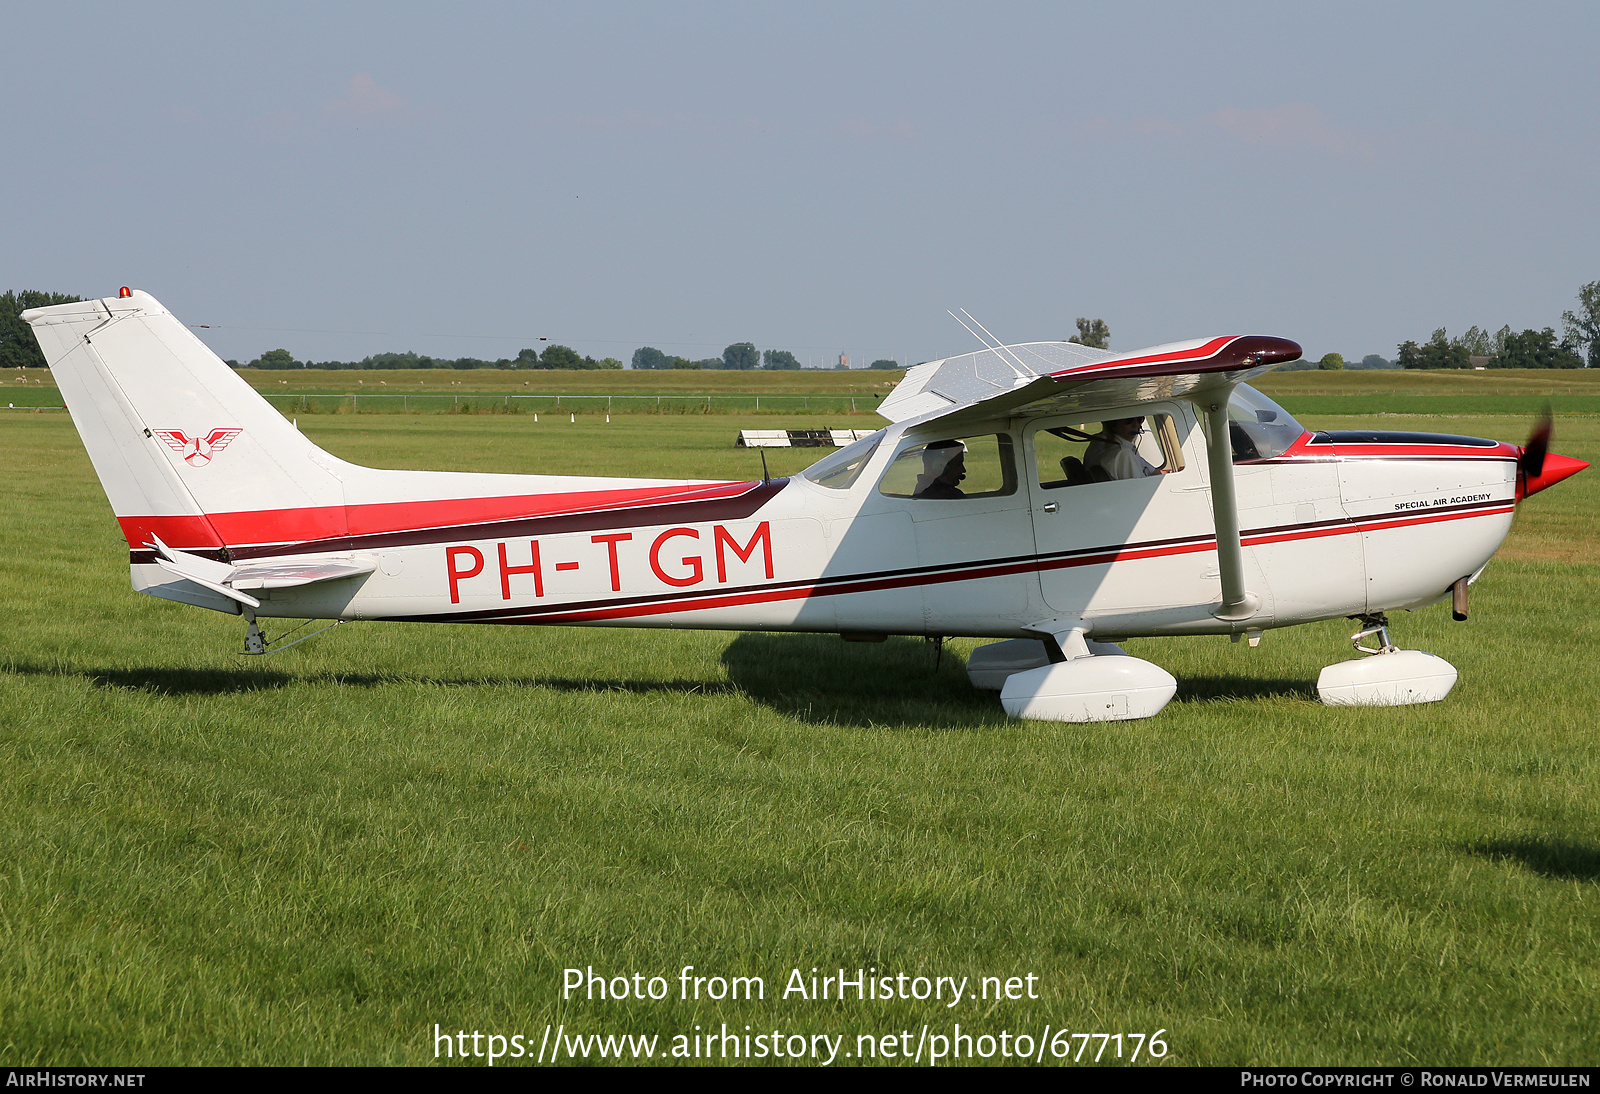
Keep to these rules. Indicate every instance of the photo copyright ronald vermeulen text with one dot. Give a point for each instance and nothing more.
(928, 1044)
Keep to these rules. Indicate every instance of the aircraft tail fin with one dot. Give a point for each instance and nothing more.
(174, 435)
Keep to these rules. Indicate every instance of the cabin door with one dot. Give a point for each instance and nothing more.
(1121, 519)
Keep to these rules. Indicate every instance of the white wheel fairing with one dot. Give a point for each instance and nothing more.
(1396, 678)
(1089, 689)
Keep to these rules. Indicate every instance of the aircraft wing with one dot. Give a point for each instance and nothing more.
(1047, 377)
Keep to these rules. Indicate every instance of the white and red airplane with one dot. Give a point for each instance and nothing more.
(1053, 496)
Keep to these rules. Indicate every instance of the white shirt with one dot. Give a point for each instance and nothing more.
(1119, 457)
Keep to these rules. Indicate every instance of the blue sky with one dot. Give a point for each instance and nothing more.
(464, 179)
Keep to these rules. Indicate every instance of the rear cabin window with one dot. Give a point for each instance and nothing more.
(1081, 453)
(953, 468)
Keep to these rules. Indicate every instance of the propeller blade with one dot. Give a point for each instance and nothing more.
(1533, 453)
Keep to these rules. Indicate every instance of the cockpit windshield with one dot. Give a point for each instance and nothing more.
(1258, 427)
(840, 470)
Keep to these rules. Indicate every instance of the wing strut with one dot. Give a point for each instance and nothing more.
(1238, 603)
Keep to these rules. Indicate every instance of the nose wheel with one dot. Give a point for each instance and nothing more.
(1385, 675)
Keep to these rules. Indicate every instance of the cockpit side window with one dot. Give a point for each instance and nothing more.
(952, 468)
(1081, 453)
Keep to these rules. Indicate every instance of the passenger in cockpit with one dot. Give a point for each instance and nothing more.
(1115, 450)
(944, 465)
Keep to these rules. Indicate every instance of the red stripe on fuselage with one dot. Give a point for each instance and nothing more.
(275, 526)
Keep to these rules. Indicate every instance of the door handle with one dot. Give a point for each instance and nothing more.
(1051, 507)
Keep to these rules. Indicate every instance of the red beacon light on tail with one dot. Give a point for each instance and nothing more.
(124, 292)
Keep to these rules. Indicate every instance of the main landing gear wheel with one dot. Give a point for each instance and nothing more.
(1089, 689)
(988, 667)
(1387, 676)
(1096, 682)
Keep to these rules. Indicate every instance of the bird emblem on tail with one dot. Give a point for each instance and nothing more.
(197, 451)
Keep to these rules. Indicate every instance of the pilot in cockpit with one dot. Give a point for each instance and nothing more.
(944, 465)
(1115, 450)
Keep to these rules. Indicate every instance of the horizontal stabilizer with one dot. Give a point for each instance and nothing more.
(215, 586)
(189, 565)
(285, 575)
(229, 579)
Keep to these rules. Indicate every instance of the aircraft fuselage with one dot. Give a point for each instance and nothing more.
(1336, 525)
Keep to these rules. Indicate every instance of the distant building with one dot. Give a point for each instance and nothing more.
(844, 361)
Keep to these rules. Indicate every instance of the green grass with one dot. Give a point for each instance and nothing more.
(438, 391)
(1375, 407)
(1362, 382)
(1435, 392)
(319, 391)
(314, 857)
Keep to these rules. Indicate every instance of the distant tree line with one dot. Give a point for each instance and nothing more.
(552, 357)
(1577, 347)
(1331, 361)
(740, 355)
(1582, 327)
(18, 347)
(743, 355)
(1093, 333)
(1503, 349)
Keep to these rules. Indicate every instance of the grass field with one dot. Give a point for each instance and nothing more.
(317, 856)
(317, 391)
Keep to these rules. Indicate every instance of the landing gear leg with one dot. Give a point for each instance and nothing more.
(1386, 676)
(255, 642)
(1374, 625)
